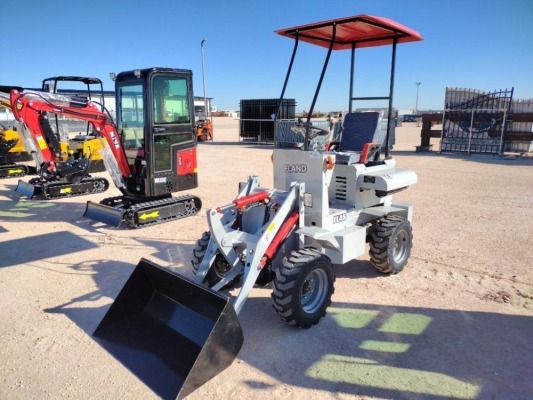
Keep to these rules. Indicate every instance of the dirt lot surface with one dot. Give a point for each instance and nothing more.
(456, 323)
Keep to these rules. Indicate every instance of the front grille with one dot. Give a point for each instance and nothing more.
(341, 187)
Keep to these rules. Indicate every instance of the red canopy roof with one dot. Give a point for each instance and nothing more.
(363, 30)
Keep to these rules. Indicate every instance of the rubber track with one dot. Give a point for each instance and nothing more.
(46, 185)
(9, 166)
(132, 213)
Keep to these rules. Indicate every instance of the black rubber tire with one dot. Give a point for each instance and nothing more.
(213, 275)
(390, 244)
(303, 287)
(199, 251)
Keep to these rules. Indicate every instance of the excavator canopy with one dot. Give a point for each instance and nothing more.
(360, 30)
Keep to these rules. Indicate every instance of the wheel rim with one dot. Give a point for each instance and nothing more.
(98, 186)
(401, 245)
(314, 291)
(221, 266)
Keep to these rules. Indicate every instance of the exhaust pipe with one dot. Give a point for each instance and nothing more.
(172, 333)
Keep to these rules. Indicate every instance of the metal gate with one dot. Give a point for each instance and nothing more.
(474, 122)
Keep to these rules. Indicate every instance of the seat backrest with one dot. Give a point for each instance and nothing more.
(358, 128)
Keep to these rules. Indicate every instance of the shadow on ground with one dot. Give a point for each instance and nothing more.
(37, 247)
(359, 349)
(396, 352)
(25, 210)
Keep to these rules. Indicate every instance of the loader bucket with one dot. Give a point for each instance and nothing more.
(171, 332)
(28, 190)
(102, 213)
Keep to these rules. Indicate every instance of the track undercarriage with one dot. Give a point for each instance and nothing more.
(53, 189)
(13, 170)
(139, 212)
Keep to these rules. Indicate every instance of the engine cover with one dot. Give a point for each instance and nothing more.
(387, 181)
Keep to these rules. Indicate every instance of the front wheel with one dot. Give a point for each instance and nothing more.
(218, 270)
(303, 287)
(390, 244)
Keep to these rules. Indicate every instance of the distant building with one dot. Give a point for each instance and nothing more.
(199, 107)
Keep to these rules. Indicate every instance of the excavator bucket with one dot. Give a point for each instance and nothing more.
(171, 332)
(28, 190)
(103, 213)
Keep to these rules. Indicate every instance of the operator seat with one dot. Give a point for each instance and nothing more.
(358, 130)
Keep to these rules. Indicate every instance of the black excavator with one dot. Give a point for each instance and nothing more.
(150, 152)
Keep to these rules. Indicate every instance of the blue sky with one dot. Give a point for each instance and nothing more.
(476, 44)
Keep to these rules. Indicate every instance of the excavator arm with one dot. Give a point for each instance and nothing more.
(29, 107)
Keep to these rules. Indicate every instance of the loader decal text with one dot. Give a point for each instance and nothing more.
(295, 168)
(339, 218)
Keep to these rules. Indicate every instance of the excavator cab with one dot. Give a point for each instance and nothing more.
(156, 143)
(155, 124)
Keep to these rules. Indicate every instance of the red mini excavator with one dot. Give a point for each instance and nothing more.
(57, 177)
(150, 153)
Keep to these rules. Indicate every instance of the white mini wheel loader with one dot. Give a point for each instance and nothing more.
(323, 209)
(330, 198)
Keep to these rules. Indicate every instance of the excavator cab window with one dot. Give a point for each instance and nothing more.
(171, 101)
(163, 145)
(131, 120)
(171, 118)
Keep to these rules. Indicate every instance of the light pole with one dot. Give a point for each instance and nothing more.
(203, 77)
(416, 105)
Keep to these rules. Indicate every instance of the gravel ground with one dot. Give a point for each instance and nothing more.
(456, 323)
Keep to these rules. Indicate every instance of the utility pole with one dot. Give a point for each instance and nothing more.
(416, 105)
(203, 77)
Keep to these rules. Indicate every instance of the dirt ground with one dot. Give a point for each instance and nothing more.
(457, 323)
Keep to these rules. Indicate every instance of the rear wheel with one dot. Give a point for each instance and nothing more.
(390, 244)
(303, 287)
